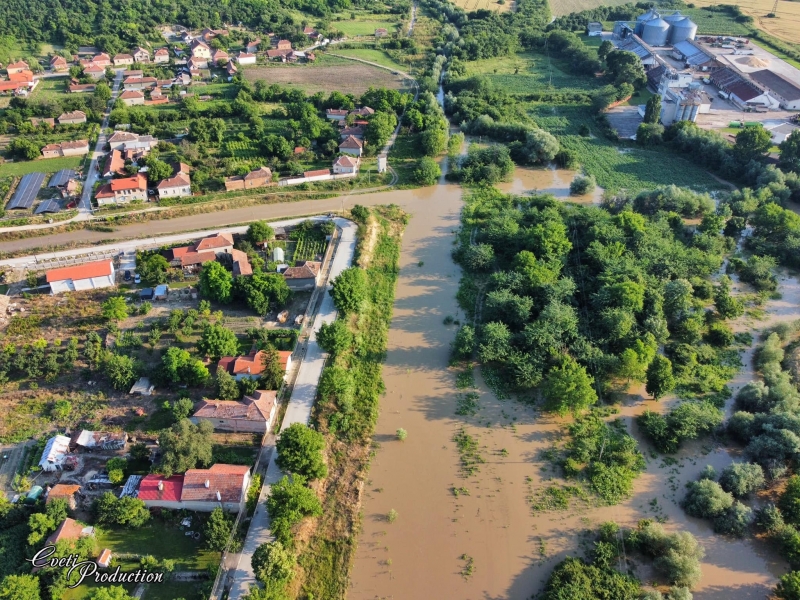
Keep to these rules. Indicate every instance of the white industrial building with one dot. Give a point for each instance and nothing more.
(88, 276)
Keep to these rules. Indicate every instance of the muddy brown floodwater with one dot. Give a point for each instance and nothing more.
(490, 524)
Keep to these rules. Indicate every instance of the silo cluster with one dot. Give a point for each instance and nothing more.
(661, 31)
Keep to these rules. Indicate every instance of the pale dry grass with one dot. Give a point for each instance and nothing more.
(352, 77)
(565, 7)
(786, 25)
(484, 4)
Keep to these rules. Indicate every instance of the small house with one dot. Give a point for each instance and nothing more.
(66, 492)
(284, 45)
(303, 276)
(69, 529)
(351, 145)
(254, 413)
(254, 179)
(345, 165)
(251, 365)
(88, 276)
(17, 67)
(594, 28)
(58, 64)
(132, 98)
(76, 117)
(121, 60)
(246, 58)
(252, 46)
(104, 560)
(161, 56)
(381, 32)
(202, 490)
(141, 55)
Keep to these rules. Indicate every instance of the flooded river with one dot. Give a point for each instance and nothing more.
(489, 523)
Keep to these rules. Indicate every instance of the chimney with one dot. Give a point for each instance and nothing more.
(160, 486)
(208, 483)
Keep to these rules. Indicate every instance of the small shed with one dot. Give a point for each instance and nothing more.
(277, 255)
(66, 492)
(161, 291)
(382, 163)
(104, 560)
(34, 494)
(146, 294)
(594, 28)
(55, 453)
(143, 387)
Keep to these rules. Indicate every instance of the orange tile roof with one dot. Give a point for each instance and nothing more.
(98, 268)
(115, 163)
(220, 240)
(228, 480)
(69, 529)
(63, 491)
(176, 181)
(317, 172)
(256, 407)
(308, 270)
(137, 182)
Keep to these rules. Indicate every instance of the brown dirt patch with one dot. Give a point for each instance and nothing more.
(354, 78)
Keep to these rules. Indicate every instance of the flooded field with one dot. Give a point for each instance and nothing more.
(478, 537)
(548, 180)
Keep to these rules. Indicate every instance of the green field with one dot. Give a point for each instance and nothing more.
(170, 590)
(50, 88)
(363, 27)
(379, 57)
(46, 165)
(527, 72)
(623, 166)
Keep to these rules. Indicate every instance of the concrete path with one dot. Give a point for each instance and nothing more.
(85, 205)
(298, 410)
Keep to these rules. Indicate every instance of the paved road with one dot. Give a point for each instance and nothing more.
(85, 205)
(298, 410)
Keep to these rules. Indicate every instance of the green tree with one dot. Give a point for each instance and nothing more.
(568, 388)
(260, 231)
(217, 530)
(349, 290)
(126, 511)
(115, 309)
(727, 306)
(789, 501)
(157, 169)
(227, 388)
(216, 282)
(182, 408)
(152, 267)
(741, 479)
(335, 337)
(217, 341)
(300, 451)
(121, 371)
(273, 373)
(185, 446)
(273, 564)
(178, 366)
(427, 171)
(114, 592)
(790, 153)
(380, 128)
(625, 67)
(752, 142)
(288, 504)
(433, 140)
(604, 49)
(263, 290)
(23, 149)
(659, 377)
(116, 470)
(20, 587)
(788, 587)
(652, 111)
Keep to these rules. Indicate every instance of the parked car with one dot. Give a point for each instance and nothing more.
(137, 278)
(127, 276)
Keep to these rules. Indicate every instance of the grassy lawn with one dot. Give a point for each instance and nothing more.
(48, 165)
(364, 27)
(170, 590)
(162, 540)
(82, 591)
(640, 97)
(377, 56)
(50, 88)
(529, 71)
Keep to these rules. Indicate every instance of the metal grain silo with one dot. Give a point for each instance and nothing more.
(682, 30)
(642, 19)
(655, 32)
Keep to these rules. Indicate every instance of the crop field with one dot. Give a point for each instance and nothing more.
(365, 26)
(785, 25)
(484, 4)
(50, 88)
(615, 167)
(372, 55)
(242, 149)
(48, 165)
(565, 7)
(327, 76)
(308, 248)
(529, 71)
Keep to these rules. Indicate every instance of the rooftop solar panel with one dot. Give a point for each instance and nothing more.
(62, 177)
(26, 191)
(47, 206)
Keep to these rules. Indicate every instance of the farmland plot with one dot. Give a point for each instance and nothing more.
(564, 7)
(344, 76)
(785, 25)
(484, 4)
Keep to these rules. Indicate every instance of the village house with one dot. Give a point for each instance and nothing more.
(303, 276)
(381, 32)
(76, 117)
(336, 114)
(77, 88)
(66, 492)
(133, 73)
(231, 70)
(88, 276)
(240, 263)
(219, 55)
(161, 56)
(252, 365)
(205, 250)
(252, 46)
(284, 45)
(254, 414)
(201, 490)
(180, 184)
(132, 98)
(345, 165)
(69, 530)
(121, 60)
(139, 83)
(125, 140)
(76, 148)
(311, 32)
(58, 64)
(246, 59)
(21, 84)
(199, 49)
(122, 191)
(17, 67)
(254, 179)
(141, 55)
(364, 111)
(279, 54)
(101, 60)
(357, 131)
(94, 71)
(351, 145)
(115, 164)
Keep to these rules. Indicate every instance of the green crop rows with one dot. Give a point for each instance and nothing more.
(242, 149)
(308, 248)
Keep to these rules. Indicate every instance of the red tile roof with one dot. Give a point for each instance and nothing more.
(69, 529)
(18, 65)
(241, 263)
(317, 172)
(212, 242)
(345, 161)
(137, 182)
(308, 270)
(63, 491)
(128, 94)
(171, 488)
(197, 258)
(252, 363)
(228, 480)
(352, 142)
(176, 181)
(252, 408)
(99, 268)
(114, 163)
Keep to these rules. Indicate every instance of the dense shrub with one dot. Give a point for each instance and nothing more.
(706, 499)
(688, 421)
(741, 479)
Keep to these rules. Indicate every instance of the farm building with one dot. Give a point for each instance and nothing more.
(742, 92)
(303, 276)
(66, 492)
(786, 92)
(76, 148)
(254, 179)
(246, 58)
(253, 414)
(98, 439)
(125, 140)
(683, 105)
(593, 28)
(636, 45)
(55, 453)
(692, 54)
(88, 276)
(202, 490)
